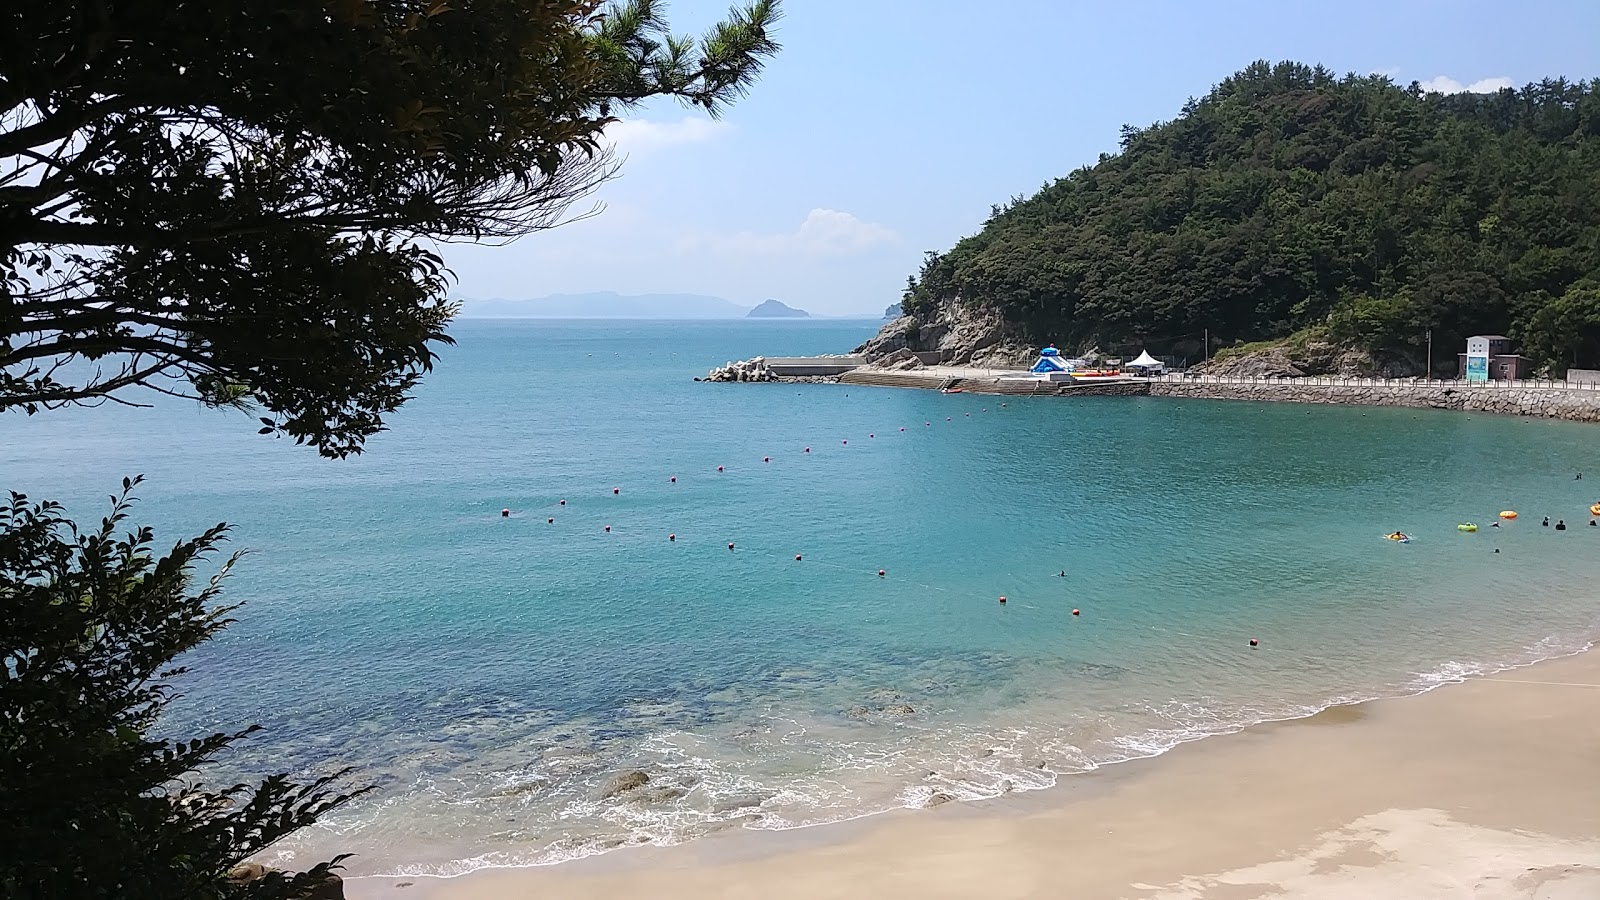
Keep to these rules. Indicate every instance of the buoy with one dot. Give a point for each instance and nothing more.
(871, 435)
(1508, 514)
(808, 449)
(1002, 406)
(844, 442)
(1467, 526)
(797, 557)
(1253, 642)
(902, 429)
(608, 529)
(927, 423)
(985, 409)
(673, 479)
(947, 418)
(1002, 598)
(505, 513)
(1074, 612)
(880, 573)
(730, 545)
(616, 490)
(551, 521)
(563, 503)
(672, 537)
(719, 468)
(766, 459)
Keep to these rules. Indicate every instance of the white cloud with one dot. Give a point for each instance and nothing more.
(644, 135)
(1444, 84)
(825, 232)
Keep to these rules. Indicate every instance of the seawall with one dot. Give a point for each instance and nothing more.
(1551, 401)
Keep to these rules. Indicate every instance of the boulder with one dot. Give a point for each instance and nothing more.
(938, 798)
(622, 782)
(331, 887)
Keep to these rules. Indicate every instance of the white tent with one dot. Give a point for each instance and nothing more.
(1146, 361)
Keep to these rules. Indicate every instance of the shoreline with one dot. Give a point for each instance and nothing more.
(890, 852)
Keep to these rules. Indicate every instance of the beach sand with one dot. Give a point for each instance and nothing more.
(1488, 790)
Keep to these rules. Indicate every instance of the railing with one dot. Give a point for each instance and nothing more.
(1330, 381)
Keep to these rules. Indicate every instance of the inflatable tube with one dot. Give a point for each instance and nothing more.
(1399, 537)
(1467, 526)
(1508, 514)
(1595, 510)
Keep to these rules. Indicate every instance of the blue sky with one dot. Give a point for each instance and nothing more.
(889, 127)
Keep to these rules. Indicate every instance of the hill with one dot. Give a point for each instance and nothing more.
(1291, 202)
(605, 305)
(774, 309)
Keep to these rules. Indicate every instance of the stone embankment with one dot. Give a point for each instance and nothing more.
(1550, 401)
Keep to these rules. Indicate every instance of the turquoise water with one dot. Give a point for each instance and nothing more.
(489, 674)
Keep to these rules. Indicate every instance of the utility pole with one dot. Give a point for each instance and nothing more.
(1208, 343)
(1429, 373)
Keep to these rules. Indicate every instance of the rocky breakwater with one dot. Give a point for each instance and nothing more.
(1555, 402)
(744, 370)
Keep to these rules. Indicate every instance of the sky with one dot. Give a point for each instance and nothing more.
(886, 128)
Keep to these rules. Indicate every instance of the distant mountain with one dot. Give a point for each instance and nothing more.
(893, 312)
(774, 309)
(605, 305)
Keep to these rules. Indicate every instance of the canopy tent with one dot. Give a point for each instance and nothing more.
(1146, 361)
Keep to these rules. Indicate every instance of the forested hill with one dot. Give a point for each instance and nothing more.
(1290, 200)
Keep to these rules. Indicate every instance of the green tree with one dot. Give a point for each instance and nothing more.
(234, 203)
(237, 199)
(91, 805)
(1566, 330)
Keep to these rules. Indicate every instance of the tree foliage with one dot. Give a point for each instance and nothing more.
(91, 804)
(238, 201)
(1290, 198)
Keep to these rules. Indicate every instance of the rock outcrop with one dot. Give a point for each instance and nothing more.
(743, 370)
(955, 335)
(331, 887)
(623, 782)
(1300, 358)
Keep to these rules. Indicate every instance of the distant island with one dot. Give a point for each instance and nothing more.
(893, 312)
(775, 309)
(606, 305)
(1293, 211)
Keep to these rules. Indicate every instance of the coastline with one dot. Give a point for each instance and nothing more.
(1485, 785)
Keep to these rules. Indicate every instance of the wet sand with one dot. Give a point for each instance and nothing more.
(1487, 790)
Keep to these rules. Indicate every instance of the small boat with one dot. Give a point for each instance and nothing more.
(950, 390)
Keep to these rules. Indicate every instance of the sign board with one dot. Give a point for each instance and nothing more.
(1477, 368)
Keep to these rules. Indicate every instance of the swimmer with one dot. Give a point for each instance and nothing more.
(1063, 574)
(1546, 522)
(1494, 524)
(1561, 524)
(1593, 523)
(1578, 477)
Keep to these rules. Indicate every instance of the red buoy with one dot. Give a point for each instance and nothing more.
(730, 545)
(673, 479)
(616, 490)
(608, 529)
(880, 573)
(766, 459)
(719, 468)
(1074, 612)
(844, 442)
(672, 537)
(871, 435)
(797, 557)
(1002, 598)
(505, 513)
(1253, 642)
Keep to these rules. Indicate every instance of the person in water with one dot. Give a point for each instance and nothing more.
(1561, 524)
(1593, 523)
(1063, 572)
(1546, 522)
(1494, 524)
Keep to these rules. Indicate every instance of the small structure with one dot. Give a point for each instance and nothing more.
(1050, 366)
(1147, 365)
(1489, 358)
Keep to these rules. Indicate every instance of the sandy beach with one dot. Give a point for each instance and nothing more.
(1486, 789)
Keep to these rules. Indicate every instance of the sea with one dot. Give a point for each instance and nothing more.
(781, 603)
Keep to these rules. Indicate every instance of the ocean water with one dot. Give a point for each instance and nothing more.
(490, 675)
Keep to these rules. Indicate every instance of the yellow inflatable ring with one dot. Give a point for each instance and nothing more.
(1467, 526)
(1508, 514)
(1595, 509)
